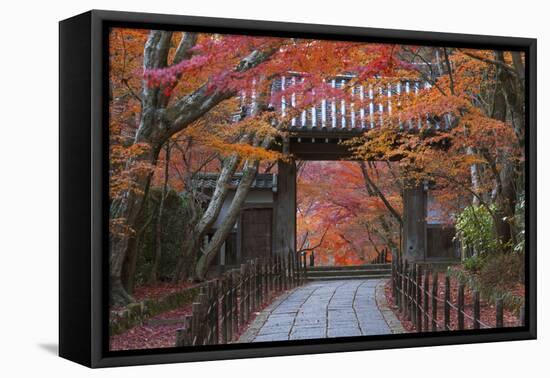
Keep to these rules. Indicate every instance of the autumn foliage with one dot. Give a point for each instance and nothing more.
(182, 104)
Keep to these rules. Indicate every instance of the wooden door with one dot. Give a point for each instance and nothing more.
(256, 233)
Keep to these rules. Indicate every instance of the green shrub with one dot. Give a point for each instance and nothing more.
(174, 219)
(496, 279)
(474, 263)
(475, 231)
(503, 271)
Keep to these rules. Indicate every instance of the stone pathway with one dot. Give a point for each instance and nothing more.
(326, 309)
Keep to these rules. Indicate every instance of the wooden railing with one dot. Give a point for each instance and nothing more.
(416, 294)
(308, 259)
(381, 257)
(226, 304)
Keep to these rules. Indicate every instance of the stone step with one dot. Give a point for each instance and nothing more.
(332, 278)
(354, 272)
(349, 267)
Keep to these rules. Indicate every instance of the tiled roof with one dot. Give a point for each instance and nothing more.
(368, 109)
(263, 181)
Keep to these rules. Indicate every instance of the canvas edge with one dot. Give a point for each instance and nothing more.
(96, 267)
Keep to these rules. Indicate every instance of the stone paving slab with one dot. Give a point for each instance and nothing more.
(321, 309)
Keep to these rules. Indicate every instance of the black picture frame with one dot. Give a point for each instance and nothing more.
(83, 196)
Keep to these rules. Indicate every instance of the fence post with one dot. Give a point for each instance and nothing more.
(275, 274)
(500, 313)
(249, 289)
(280, 272)
(393, 282)
(217, 311)
(476, 309)
(266, 263)
(412, 311)
(400, 284)
(183, 335)
(283, 273)
(210, 312)
(295, 269)
(242, 273)
(263, 280)
(301, 275)
(404, 284)
(291, 276)
(188, 336)
(522, 316)
(397, 295)
(288, 272)
(229, 307)
(406, 290)
(460, 310)
(272, 274)
(447, 303)
(235, 307)
(203, 315)
(195, 326)
(229, 313)
(180, 337)
(223, 308)
(259, 287)
(435, 286)
(268, 276)
(266, 279)
(425, 300)
(213, 303)
(254, 283)
(418, 298)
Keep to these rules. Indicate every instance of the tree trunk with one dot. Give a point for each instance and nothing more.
(474, 177)
(211, 250)
(505, 194)
(153, 276)
(125, 211)
(193, 245)
(158, 123)
(129, 266)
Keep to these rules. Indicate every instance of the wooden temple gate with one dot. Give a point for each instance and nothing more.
(316, 134)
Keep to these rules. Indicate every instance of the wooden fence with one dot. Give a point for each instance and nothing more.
(381, 258)
(416, 294)
(226, 304)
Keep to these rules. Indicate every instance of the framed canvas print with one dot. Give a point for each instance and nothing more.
(234, 188)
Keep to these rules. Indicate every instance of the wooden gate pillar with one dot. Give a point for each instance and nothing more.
(415, 205)
(284, 219)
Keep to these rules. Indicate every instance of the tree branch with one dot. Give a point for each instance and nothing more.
(191, 107)
(318, 244)
(370, 184)
(489, 61)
